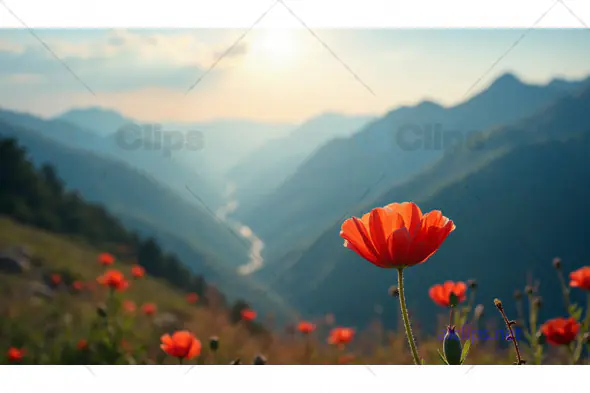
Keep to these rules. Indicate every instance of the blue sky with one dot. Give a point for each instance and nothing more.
(271, 75)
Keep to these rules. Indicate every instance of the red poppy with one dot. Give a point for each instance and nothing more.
(248, 314)
(149, 308)
(129, 305)
(78, 285)
(113, 279)
(341, 336)
(106, 259)
(56, 279)
(581, 278)
(182, 344)
(560, 331)
(397, 235)
(441, 293)
(82, 344)
(137, 271)
(192, 298)
(305, 327)
(15, 354)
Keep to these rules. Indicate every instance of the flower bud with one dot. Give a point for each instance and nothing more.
(541, 339)
(394, 291)
(538, 302)
(214, 343)
(557, 263)
(259, 360)
(452, 347)
(529, 290)
(472, 284)
(101, 311)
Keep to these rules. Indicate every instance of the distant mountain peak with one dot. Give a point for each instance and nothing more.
(507, 79)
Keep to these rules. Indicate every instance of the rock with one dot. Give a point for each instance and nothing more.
(15, 260)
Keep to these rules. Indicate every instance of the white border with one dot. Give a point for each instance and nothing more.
(315, 13)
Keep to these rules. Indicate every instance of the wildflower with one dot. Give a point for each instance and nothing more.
(106, 259)
(182, 344)
(341, 336)
(82, 345)
(137, 271)
(149, 308)
(129, 306)
(441, 293)
(305, 327)
(56, 279)
(78, 285)
(397, 235)
(581, 278)
(259, 360)
(560, 331)
(15, 354)
(192, 298)
(113, 279)
(214, 343)
(248, 314)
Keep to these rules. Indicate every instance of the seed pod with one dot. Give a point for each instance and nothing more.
(452, 347)
(213, 343)
(259, 360)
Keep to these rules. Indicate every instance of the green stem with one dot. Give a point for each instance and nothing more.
(402, 302)
(564, 291)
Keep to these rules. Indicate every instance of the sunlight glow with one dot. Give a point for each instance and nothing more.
(279, 47)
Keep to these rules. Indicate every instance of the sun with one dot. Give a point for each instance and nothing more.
(279, 46)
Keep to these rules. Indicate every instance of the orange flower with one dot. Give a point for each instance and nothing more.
(106, 259)
(15, 354)
(78, 285)
(397, 235)
(248, 315)
(129, 305)
(137, 271)
(149, 308)
(113, 279)
(192, 297)
(181, 344)
(560, 331)
(441, 293)
(82, 344)
(341, 336)
(305, 327)
(56, 279)
(581, 278)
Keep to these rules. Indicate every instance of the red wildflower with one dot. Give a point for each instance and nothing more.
(397, 235)
(192, 298)
(113, 279)
(248, 314)
(149, 308)
(581, 278)
(341, 336)
(560, 331)
(15, 354)
(129, 306)
(137, 271)
(181, 344)
(82, 344)
(78, 285)
(305, 327)
(56, 279)
(441, 293)
(106, 259)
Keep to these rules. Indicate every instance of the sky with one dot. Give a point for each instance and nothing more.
(278, 75)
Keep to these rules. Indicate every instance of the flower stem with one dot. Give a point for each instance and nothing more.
(402, 302)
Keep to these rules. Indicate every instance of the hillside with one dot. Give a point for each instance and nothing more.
(348, 172)
(517, 202)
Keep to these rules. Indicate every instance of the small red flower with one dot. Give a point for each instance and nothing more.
(113, 279)
(106, 259)
(397, 235)
(78, 285)
(341, 336)
(137, 271)
(305, 327)
(56, 279)
(129, 306)
(560, 331)
(149, 308)
(192, 298)
(441, 293)
(248, 314)
(182, 344)
(581, 278)
(15, 354)
(82, 345)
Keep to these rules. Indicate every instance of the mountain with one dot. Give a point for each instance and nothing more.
(264, 169)
(103, 122)
(153, 210)
(519, 200)
(389, 151)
